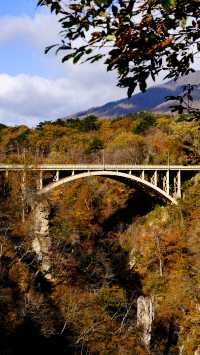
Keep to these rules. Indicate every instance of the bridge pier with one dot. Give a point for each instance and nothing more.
(57, 176)
(177, 185)
(154, 178)
(166, 185)
(143, 175)
(40, 181)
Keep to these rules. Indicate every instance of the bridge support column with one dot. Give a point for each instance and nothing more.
(166, 186)
(142, 175)
(177, 185)
(154, 178)
(57, 176)
(167, 181)
(40, 181)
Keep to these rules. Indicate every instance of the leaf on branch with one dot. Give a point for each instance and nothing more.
(114, 10)
(55, 7)
(110, 37)
(67, 57)
(167, 4)
(131, 89)
(47, 49)
(144, 37)
(77, 57)
(63, 48)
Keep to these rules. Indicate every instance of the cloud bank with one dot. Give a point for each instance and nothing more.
(30, 99)
(39, 30)
(66, 89)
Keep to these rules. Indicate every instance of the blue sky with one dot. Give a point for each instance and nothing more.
(34, 86)
(14, 8)
(18, 7)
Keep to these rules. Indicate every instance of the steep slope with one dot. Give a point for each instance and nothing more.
(152, 100)
(110, 245)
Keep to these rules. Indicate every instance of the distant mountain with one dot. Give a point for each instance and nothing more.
(152, 100)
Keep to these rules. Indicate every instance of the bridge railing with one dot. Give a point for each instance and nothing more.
(114, 167)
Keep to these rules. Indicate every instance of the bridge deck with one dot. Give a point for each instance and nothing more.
(86, 167)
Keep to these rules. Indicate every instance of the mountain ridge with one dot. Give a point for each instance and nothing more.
(152, 100)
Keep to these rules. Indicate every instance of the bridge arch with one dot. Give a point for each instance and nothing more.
(109, 174)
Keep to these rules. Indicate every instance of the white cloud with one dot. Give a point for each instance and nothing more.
(39, 30)
(28, 99)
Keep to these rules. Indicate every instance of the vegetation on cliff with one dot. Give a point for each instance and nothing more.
(109, 242)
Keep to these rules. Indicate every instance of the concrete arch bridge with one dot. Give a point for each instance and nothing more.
(163, 180)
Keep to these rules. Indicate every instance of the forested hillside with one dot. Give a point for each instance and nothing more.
(109, 243)
(135, 139)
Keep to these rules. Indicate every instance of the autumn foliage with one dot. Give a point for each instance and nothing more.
(109, 242)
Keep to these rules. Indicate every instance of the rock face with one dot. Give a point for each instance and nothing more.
(145, 317)
(132, 259)
(41, 243)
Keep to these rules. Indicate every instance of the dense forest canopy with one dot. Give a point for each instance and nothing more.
(134, 139)
(109, 243)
